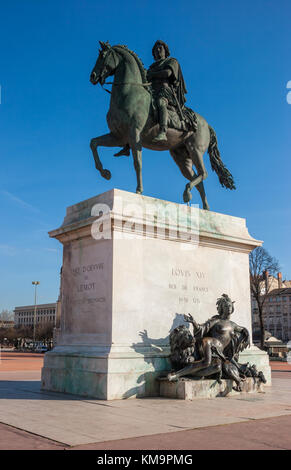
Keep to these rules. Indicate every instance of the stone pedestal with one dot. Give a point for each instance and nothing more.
(189, 389)
(132, 267)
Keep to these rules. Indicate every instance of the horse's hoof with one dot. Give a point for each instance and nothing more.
(187, 196)
(106, 174)
(139, 191)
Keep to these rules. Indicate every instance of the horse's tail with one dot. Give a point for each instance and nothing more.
(217, 165)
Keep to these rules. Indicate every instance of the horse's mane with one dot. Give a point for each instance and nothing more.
(143, 72)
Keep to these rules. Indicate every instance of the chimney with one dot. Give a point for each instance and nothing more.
(279, 280)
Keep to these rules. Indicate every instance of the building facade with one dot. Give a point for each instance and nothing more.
(277, 313)
(277, 308)
(45, 314)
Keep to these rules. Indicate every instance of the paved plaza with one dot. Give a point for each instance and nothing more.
(32, 419)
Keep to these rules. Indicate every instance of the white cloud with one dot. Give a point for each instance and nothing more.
(8, 250)
(19, 201)
(54, 250)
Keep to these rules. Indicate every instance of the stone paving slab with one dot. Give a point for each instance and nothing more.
(263, 434)
(76, 421)
(16, 439)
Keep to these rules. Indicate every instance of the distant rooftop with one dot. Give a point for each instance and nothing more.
(31, 307)
(282, 291)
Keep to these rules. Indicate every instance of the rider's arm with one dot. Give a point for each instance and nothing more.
(160, 74)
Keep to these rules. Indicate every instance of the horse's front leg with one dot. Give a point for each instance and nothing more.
(106, 140)
(136, 148)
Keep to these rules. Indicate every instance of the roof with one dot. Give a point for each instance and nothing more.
(272, 339)
(38, 306)
(282, 291)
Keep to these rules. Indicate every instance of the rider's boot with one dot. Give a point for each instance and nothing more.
(162, 135)
(124, 151)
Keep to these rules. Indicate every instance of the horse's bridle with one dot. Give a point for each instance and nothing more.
(112, 51)
(105, 67)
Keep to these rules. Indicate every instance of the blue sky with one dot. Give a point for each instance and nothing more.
(235, 58)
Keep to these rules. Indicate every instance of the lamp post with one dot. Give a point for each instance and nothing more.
(35, 283)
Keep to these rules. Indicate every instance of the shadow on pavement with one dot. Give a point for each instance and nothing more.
(30, 390)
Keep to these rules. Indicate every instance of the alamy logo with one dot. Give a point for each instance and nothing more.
(135, 220)
(288, 97)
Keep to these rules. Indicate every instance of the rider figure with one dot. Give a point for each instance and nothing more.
(168, 88)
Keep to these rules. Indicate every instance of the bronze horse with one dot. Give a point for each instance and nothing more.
(131, 121)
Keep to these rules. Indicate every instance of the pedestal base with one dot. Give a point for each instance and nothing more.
(129, 276)
(106, 376)
(123, 373)
(188, 389)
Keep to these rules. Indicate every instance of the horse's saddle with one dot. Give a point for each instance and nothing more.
(186, 122)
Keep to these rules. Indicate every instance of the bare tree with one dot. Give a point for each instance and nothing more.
(7, 336)
(44, 333)
(262, 264)
(5, 315)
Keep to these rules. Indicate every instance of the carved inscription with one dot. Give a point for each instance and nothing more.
(189, 285)
(86, 285)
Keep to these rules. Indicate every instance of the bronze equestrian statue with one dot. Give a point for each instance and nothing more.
(147, 109)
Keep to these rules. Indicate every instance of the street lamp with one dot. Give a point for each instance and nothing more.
(35, 283)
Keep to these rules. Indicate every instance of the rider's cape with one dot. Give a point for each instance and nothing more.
(183, 118)
(176, 79)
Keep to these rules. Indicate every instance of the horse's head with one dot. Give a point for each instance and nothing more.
(106, 64)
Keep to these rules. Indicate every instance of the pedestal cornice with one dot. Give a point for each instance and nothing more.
(128, 214)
